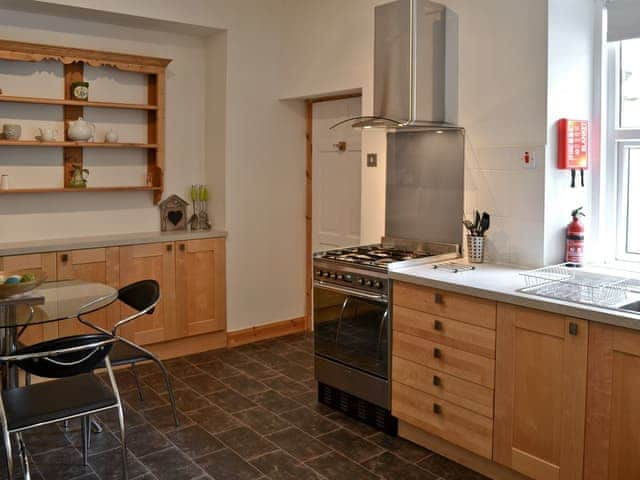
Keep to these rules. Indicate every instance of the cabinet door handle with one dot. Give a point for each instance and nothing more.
(169, 247)
(437, 409)
(437, 353)
(436, 381)
(182, 247)
(573, 328)
(438, 298)
(437, 325)
(64, 257)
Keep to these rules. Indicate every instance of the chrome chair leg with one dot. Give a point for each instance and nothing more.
(95, 427)
(167, 382)
(8, 452)
(134, 372)
(86, 438)
(123, 439)
(26, 471)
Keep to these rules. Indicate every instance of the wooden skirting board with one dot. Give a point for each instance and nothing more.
(264, 332)
(189, 345)
(457, 454)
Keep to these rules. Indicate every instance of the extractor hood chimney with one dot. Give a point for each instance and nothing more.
(410, 67)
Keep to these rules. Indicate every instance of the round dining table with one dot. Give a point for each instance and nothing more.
(51, 302)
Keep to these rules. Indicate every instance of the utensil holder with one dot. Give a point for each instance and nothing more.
(475, 249)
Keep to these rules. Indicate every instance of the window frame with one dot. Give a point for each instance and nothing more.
(620, 141)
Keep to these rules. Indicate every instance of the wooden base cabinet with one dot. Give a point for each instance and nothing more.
(612, 449)
(38, 262)
(100, 265)
(200, 287)
(150, 261)
(540, 393)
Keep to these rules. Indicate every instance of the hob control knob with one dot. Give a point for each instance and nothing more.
(339, 277)
(333, 276)
(360, 281)
(325, 274)
(368, 283)
(318, 273)
(377, 284)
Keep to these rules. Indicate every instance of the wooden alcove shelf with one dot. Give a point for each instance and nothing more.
(74, 60)
(80, 190)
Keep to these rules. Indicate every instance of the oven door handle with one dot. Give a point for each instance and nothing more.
(351, 291)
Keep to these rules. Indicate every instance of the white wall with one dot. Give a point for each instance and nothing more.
(572, 27)
(502, 91)
(28, 217)
(263, 176)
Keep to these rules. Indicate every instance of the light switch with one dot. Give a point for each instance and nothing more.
(372, 159)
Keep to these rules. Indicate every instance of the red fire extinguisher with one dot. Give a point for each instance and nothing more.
(575, 239)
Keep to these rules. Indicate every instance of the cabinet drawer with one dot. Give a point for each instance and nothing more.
(453, 333)
(476, 311)
(465, 394)
(461, 364)
(455, 424)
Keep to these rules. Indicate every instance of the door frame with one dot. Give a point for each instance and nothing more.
(309, 200)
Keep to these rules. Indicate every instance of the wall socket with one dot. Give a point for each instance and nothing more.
(372, 159)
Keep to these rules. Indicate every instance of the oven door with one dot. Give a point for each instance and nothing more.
(352, 328)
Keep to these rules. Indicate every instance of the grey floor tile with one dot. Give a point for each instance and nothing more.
(42, 439)
(172, 464)
(108, 465)
(403, 448)
(219, 369)
(188, 400)
(246, 443)
(261, 420)
(150, 398)
(391, 467)
(194, 441)
(228, 465)
(204, 383)
(296, 372)
(230, 401)
(256, 370)
(297, 443)
(145, 439)
(350, 445)
(61, 464)
(213, 419)
(275, 402)
(157, 382)
(310, 422)
(337, 467)
(281, 466)
(245, 385)
(285, 385)
(162, 418)
(179, 367)
(445, 468)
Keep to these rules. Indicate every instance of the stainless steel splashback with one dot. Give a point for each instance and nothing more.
(425, 186)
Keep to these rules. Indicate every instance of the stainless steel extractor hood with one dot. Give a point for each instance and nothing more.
(410, 65)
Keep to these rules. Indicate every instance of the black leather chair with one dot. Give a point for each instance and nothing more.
(142, 296)
(75, 393)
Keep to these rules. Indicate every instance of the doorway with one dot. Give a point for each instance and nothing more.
(336, 175)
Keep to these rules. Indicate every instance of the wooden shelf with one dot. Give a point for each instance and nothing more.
(76, 103)
(35, 143)
(77, 190)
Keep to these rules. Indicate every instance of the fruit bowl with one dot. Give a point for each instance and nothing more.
(9, 290)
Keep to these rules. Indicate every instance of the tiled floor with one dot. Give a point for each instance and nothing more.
(246, 413)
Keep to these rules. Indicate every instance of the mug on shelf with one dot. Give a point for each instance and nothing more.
(11, 131)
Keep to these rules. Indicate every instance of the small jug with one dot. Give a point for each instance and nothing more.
(77, 177)
(48, 134)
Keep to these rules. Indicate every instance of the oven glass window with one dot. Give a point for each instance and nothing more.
(352, 330)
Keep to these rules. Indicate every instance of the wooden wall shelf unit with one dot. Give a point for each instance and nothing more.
(74, 60)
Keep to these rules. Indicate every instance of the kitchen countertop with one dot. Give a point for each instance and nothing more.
(99, 241)
(501, 283)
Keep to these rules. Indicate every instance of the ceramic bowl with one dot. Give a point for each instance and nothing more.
(12, 132)
(7, 291)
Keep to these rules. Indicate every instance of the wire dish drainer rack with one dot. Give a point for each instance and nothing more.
(579, 285)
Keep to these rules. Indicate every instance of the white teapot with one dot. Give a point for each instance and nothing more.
(81, 130)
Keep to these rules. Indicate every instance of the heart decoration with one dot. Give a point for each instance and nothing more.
(174, 217)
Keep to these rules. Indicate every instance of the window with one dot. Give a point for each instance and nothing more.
(624, 137)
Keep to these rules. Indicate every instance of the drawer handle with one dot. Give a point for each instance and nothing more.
(573, 328)
(437, 325)
(437, 409)
(438, 298)
(437, 353)
(436, 381)
(64, 257)
(169, 248)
